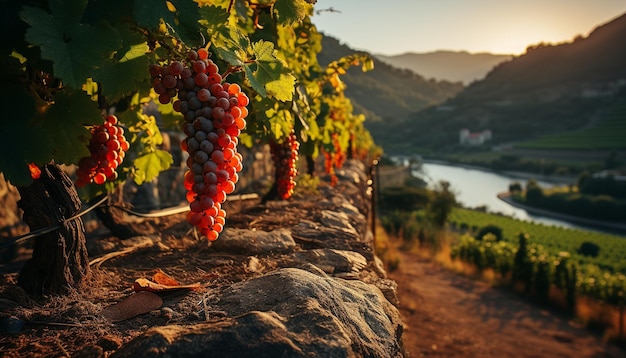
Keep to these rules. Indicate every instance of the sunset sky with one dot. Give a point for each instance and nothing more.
(393, 27)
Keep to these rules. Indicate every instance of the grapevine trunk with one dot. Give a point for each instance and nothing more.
(59, 260)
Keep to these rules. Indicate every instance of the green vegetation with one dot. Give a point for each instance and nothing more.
(594, 260)
(574, 270)
(610, 134)
(600, 198)
(553, 239)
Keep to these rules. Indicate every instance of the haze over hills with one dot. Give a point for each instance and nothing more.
(549, 89)
(387, 92)
(447, 65)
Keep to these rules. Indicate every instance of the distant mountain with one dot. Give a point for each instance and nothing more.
(549, 89)
(447, 65)
(387, 93)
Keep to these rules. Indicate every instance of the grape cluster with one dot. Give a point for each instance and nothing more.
(108, 148)
(214, 113)
(334, 159)
(285, 156)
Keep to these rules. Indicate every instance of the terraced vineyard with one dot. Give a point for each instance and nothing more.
(609, 134)
(550, 249)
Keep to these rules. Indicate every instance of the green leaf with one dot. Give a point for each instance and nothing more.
(215, 19)
(133, 45)
(75, 49)
(148, 13)
(254, 83)
(64, 122)
(187, 25)
(122, 78)
(52, 132)
(271, 73)
(234, 48)
(214, 15)
(282, 88)
(17, 136)
(114, 11)
(288, 12)
(171, 119)
(182, 23)
(149, 165)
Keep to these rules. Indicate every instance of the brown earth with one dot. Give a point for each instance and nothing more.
(450, 315)
(62, 326)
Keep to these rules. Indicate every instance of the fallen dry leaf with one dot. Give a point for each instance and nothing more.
(142, 284)
(162, 278)
(138, 303)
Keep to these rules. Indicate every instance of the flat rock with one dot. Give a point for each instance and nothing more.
(254, 242)
(320, 308)
(287, 313)
(333, 261)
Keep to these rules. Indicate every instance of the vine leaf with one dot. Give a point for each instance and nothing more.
(233, 48)
(289, 12)
(122, 78)
(74, 48)
(74, 109)
(149, 165)
(282, 88)
(127, 71)
(215, 19)
(180, 16)
(17, 134)
(271, 77)
(52, 131)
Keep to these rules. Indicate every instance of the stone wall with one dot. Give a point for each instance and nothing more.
(326, 294)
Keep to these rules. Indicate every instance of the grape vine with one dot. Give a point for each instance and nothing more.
(77, 61)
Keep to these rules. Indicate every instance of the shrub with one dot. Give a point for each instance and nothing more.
(496, 231)
(589, 249)
(515, 187)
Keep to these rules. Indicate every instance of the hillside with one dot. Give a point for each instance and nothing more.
(550, 89)
(456, 66)
(387, 92)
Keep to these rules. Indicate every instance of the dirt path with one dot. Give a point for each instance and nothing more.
(449, 315)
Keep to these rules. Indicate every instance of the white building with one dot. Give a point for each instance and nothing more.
(468, 138)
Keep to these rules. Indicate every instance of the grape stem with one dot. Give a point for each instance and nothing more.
(231, 69)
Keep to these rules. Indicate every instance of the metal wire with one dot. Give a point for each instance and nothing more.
(49, 229)
(155, 214)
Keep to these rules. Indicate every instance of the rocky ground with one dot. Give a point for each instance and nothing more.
(287, 278)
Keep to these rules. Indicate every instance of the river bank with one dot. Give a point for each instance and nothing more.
(477, 187)
(618, 228)
(554, 179)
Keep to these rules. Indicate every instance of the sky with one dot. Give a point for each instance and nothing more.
(393, 27)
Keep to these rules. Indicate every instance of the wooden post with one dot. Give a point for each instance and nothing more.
(59, 261)
(621, 321)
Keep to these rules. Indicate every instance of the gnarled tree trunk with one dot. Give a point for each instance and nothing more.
(60, 261)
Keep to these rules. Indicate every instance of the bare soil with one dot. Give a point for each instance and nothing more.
(74, 326)
(450, 315)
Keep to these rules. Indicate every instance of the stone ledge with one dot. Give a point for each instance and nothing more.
(313, 285)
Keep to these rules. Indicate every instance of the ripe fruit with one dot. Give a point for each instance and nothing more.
(107, 147)
(214, 116)
(284, 156)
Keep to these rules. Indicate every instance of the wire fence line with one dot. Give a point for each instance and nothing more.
(100, 201)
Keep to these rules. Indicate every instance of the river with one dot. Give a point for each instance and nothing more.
(475, 187)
